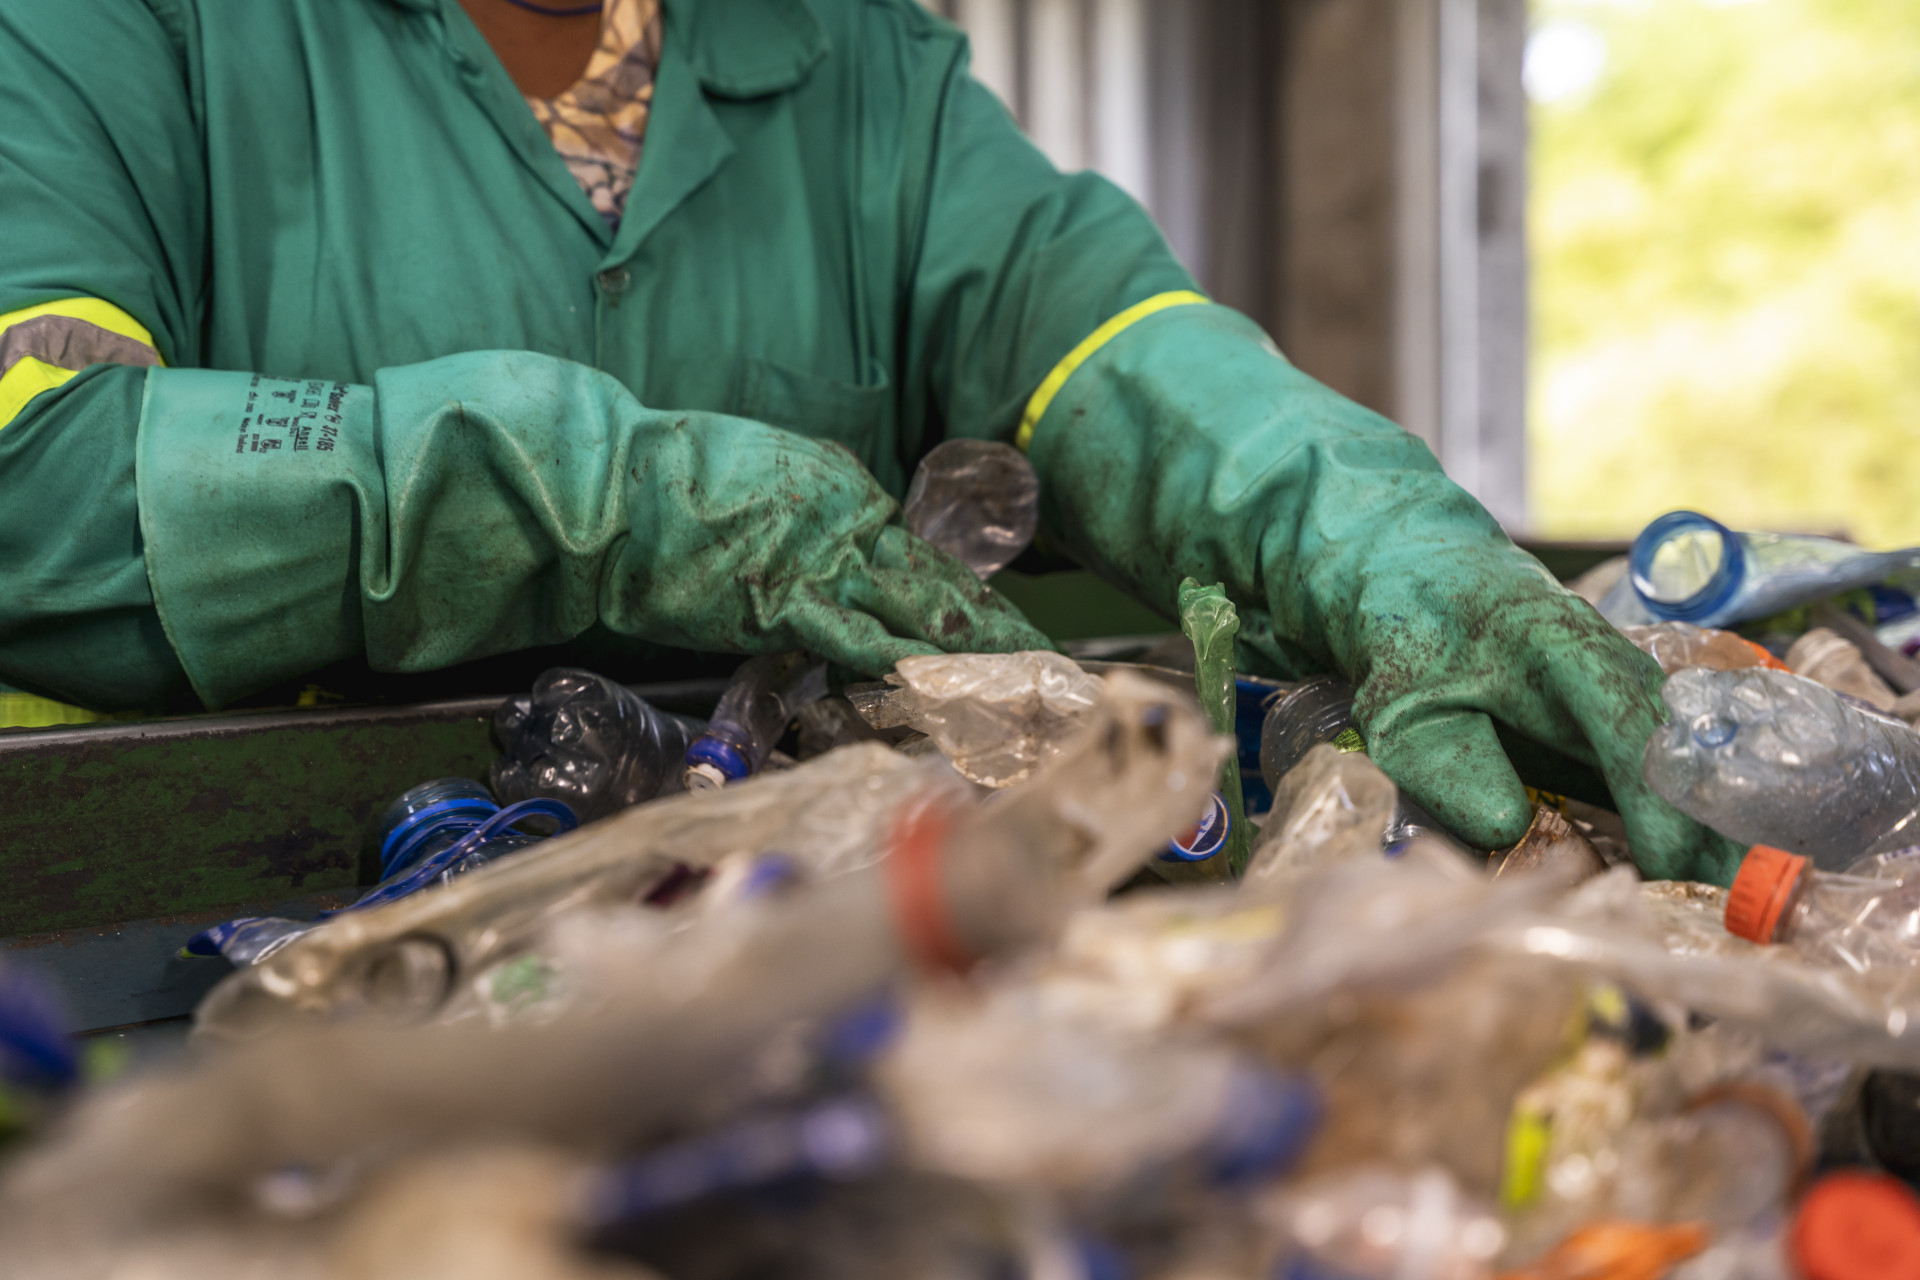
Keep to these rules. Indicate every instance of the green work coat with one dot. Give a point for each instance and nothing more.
(834, 230)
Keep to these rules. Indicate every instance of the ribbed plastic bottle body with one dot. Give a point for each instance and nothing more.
(1688, 567)
(1318, 709)
(1768, 758)
(1856, 922)
(583, 739)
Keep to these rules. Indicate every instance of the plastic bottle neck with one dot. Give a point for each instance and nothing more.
(1651, 580)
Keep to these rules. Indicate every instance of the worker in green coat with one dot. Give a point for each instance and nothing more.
(380, 329)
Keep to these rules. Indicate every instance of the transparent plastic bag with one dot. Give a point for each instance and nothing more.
(582, 739)
(996, 716)
(1769, 758)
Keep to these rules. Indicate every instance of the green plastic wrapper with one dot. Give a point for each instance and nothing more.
(1211, 622)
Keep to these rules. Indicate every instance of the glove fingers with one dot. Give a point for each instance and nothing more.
(1613, 693)
(1451, 764)
(920, 592)
(851, 638)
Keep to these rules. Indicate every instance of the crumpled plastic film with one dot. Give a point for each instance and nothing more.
(996, 716)
(1678, 645)
(1334, 804)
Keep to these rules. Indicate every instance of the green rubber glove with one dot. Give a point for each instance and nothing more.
(1188, 445)
(495, 501)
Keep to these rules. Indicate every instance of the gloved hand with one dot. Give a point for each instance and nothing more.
(495, 501)
(1188, 445)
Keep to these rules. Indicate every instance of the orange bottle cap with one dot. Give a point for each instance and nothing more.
(1857, 1226)
(1764, 656)
(1761, 891)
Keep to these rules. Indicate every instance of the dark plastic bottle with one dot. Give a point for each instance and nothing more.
(582, 739)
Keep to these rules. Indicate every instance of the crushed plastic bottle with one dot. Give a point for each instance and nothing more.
(1333, 804)
(1678, 645)
(1836, 662)
(1769, 758)
(1864, 924)
(1209, 620)
(431, 834)
(763, 697)
(977, 500)
(1687, 567)
(1105, 802)
(584, 740)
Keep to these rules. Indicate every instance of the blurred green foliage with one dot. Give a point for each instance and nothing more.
(1726, 241)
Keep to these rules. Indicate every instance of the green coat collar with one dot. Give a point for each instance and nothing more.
(739, 48)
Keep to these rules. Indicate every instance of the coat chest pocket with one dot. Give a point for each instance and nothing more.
(857, 416)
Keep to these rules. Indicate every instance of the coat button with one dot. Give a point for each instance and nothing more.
(614, 282)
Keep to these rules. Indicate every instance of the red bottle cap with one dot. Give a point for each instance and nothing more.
(1761, 891)
(1857, 1226)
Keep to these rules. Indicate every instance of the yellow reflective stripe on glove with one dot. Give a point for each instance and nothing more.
(1051, 384)
(42, 347)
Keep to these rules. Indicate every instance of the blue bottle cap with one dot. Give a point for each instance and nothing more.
(720, 755)
(1207, 839)
(1713, 594)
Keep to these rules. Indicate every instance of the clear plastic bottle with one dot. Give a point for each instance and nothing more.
(1766, 757)
(1318, 709)
(752, 714)
(1865, 924)
(581, 738)
(1678, 645)
(976, 500)
(1691, 568)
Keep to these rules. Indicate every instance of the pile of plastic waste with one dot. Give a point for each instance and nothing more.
(1014, 966)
